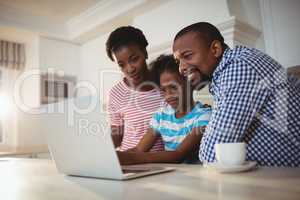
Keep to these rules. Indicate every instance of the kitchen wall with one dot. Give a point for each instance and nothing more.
(41, 53)
(54, 56)
(59, 55)
(281, 25)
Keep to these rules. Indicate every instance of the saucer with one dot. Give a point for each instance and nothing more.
(248, 165)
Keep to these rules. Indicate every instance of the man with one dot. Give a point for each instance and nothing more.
(254, 100)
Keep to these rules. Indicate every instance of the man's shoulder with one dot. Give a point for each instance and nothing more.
(241, 54)
(257, 63)
(245, 60)
(250, 56)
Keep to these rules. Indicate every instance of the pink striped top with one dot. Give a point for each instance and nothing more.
(133, 110)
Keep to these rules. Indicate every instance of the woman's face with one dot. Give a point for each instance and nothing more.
(132, 61)
(172, 85)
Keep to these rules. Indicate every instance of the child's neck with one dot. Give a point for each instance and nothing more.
(185, 109)
(146, 87)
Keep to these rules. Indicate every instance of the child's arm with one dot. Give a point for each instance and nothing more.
(190, 142)
(146, 142)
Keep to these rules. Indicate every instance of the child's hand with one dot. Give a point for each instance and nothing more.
(206, 106)
(126, 158)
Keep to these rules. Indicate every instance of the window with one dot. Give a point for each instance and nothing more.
(12, 63)
(1, 132)
(1, 127)
(8, 110)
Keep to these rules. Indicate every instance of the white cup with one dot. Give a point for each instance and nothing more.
(231, 153)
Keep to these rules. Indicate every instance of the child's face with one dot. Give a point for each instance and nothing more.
(171, 84)
(132, 62)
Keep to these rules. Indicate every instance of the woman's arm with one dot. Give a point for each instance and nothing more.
(190, 143)
(117, 135)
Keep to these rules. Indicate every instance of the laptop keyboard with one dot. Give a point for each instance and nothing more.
(139, 169)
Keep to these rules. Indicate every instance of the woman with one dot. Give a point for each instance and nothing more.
(134, 99)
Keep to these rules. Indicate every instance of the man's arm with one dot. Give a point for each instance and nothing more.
(243, 95)
(190, 143)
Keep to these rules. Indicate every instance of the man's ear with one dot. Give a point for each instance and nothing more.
(216, 48)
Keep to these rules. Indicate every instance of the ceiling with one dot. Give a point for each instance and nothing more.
(73, 20)
(62, 10)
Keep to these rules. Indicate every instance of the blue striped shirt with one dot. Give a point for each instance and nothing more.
(173, 130)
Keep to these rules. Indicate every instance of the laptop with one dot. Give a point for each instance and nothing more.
(79, 139)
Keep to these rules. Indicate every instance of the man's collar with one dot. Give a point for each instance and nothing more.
(222, 62)
(219, 69)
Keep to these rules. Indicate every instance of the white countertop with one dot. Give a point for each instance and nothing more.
(13, 151)
(34, 179)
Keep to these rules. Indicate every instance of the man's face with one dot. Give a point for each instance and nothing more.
(196, 58)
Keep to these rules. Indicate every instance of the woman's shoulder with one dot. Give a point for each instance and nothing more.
(119, 88)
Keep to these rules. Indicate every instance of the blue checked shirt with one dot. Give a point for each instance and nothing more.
(257, 103)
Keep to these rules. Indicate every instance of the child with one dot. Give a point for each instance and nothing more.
(180, 122)
(134, 99)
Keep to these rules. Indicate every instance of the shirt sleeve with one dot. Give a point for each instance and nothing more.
(242, 96)
(204, 115)
(113, 111)
(155, 121)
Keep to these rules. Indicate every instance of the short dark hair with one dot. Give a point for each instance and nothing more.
(164, 63)
(208, 31)
(123, 36)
